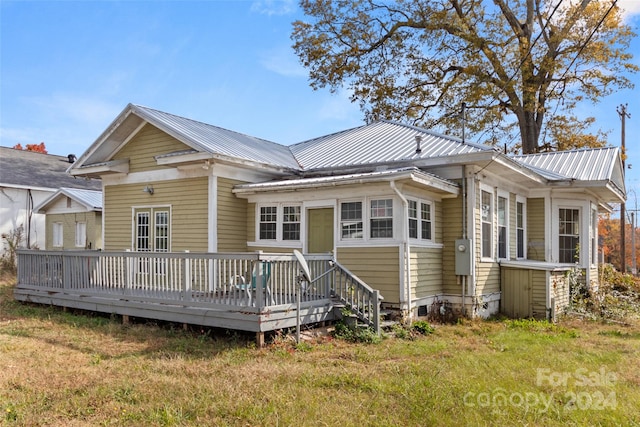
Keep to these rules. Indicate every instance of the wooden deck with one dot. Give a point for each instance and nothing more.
(253, 292)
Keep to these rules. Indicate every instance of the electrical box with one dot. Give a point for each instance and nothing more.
(463, 257)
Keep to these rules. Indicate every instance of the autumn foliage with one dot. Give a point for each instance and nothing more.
(38, 148)
(609, 240)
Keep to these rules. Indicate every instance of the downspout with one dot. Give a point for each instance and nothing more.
(463, 279)
(405, 232)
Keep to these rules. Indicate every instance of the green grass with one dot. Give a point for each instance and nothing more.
(62, 368)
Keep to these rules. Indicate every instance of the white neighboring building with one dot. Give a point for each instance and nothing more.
(27, 179)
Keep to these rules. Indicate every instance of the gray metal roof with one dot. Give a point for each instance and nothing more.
(379, 142)
(322, 181)
(28, 169)
(91, 199)
(583, 165)
(217, 140)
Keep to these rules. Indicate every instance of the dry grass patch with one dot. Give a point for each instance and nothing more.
(62, 368)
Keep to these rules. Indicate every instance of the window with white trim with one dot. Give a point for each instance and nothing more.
(291, 223)
(351, 223)
(58, 234)
(520, 228)
(279, 222)
(594, 236)
(268, 223)
(503, 235)
(81, 234)
(568, 235)
(420, 223)
(381, 219)
(486, 213)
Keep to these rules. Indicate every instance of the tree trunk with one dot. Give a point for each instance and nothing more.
(529, 132)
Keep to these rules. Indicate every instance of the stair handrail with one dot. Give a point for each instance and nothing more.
(360, 298)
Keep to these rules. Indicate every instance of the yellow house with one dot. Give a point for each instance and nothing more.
(73, 219)
(435, 224)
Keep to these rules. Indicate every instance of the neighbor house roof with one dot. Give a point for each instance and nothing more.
(29, 169)
(90, 199)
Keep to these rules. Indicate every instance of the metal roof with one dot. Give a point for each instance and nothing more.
(314, 182)
(91, 199)
(595, 164)
(29, 169)
(379, 142)
(217, 140)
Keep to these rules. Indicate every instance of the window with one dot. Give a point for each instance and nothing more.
(568, 235)
(520, 229)
(381, 220)
(268, 222)
(594, 236)
(351, 224)
(419, 220)
(58, 234)
(503, 214)
(291, 223)
(81, 234)
(487, 223)
(413, 219)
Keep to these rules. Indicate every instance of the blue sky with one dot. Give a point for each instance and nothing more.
(67, 68)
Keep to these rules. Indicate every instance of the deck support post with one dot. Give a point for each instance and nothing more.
(260, 339)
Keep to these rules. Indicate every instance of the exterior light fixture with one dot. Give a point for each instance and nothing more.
(148, 189)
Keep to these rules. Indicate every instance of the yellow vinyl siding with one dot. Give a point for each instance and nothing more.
(451, 230)
(379, 267)
(426, 271)
(147, 144)
(487, 278)
(251, 222)
(188, 199)
(539, 294)
(535, 229)
(232, 218)
(94, 230)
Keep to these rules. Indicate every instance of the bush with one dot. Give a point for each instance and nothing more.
(10, 242)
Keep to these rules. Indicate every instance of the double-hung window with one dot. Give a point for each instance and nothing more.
(381, 220)
(81, 234)
(568, 235)
(279, 222)
(58, 233)
(291, 223)
(486, 213)
(351, 223)
(268, 222)
(370, 219)
(503, 235)
(420, 222)
(520, 228)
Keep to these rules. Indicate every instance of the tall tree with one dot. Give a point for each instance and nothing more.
(517, 64)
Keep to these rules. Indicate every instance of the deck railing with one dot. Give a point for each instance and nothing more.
(254, 281)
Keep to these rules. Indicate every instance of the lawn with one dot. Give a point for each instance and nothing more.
(83, 369)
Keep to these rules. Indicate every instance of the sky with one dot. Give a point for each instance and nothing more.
(68, 68)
